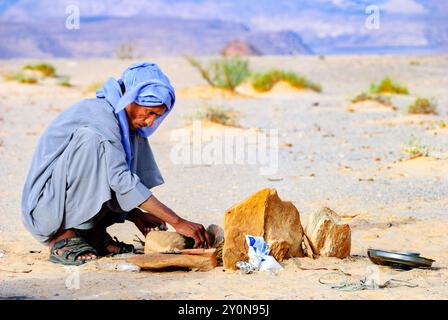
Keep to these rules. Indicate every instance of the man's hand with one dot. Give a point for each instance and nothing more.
(182, 226)
(195, 231)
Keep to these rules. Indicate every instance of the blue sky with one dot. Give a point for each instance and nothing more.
(230, 9)
(403, 22)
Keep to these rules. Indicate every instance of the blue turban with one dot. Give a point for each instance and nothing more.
(146, 85)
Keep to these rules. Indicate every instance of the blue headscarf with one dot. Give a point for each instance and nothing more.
(146, 85)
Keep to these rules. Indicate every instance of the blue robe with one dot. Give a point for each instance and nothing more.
(80, 164)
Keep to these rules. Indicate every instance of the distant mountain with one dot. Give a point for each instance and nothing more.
(280, 42)
(154, 36)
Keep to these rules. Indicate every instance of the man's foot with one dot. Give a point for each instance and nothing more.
(104, 243)
(146, 222)
(67, 234)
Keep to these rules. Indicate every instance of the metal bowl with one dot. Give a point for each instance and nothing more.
(401, 260)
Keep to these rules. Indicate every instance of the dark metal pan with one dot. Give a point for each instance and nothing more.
(401, 260)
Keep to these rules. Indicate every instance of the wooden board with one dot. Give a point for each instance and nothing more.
(195, 259)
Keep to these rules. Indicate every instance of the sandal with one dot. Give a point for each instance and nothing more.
(122, 247)
(74, 247)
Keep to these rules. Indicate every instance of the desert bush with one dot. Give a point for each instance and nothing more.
(387, 85)
(415, 149)
(373, 97)
(93, 87)
(217, 114)
(26, 79)
(205, 73)
(224, 73)
(21, 78)
(423, 106)
(47, 70)
(125, 51)
(263, 82)
(64, 81)
(10, 76)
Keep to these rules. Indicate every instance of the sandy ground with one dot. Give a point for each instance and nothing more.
(346, 159)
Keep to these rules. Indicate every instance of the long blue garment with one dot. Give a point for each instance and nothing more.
(86, 156)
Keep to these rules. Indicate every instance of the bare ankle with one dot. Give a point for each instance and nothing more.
(61, 235)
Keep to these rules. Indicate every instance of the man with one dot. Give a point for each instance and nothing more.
(94, 167)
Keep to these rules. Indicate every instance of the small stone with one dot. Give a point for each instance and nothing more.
(327, 235)
(263, 214)
(166, 241)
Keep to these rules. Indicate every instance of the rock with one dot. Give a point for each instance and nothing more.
(238, 48)
(195, 259)
(216, 234)
(163, 241)
(327, 235)
(262, 214)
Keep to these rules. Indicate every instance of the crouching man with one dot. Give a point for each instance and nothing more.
(93, 167)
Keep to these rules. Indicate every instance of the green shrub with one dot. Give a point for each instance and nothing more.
(125, 51)
(219, 115)
(387, 85)
(21, 78)
(415, 149)
(92, 87)
(64, 81)
(10, 77)
(47, 70)
(26, 79)
(229, 73)
(373, 97)
(224, 73)
(263, 82)
(423, 106)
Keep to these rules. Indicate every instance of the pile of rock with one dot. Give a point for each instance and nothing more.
(265, 215)
(278, 222)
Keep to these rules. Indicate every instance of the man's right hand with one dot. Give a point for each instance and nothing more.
(182, 226)
(195, 231)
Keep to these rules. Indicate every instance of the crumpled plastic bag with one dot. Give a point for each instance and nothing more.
(259, 257)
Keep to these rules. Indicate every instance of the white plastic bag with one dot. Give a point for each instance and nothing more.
(259, 255)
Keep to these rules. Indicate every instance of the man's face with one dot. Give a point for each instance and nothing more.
(141, 116)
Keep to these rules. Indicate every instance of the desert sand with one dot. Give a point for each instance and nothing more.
(329, 156)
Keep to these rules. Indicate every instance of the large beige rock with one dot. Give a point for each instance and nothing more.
(327, 235)
(262, 214)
